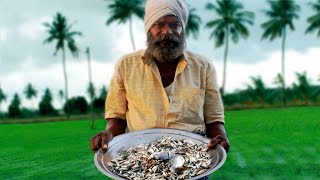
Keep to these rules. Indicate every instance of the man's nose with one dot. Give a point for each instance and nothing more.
(166, 29)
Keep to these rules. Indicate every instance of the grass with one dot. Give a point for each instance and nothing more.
(273, 144)
(56, 150)
(265, 144)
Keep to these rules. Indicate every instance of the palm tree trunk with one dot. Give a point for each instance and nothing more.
(131, 34)
(90, 82)
(283, 92)
(224, 77)
(32, 104)
(65, 81)
(306, 101)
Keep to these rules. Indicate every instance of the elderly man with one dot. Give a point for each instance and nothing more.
(164, 86)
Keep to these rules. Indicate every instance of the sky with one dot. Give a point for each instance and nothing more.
(25, 59)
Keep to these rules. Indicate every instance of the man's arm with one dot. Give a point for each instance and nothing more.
(218, 135)
(214, 112)
(116, 105)
(116, 126)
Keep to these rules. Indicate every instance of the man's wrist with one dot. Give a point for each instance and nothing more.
(108, 133)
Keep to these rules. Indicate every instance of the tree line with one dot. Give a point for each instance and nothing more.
(75, 105)
(257, 95)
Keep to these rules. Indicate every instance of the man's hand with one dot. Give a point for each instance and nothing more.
(115, 127)
(218, 134)
(101, 141)
(219, 139)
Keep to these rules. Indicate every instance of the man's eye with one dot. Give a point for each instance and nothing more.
(175, 25)
(160, 25)
(157, 25)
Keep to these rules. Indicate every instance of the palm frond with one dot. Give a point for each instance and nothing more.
(272, 30)
(211, 6)
(315, 6)
(3, 96)
(234, 34)
(314, 20)
(219, 38)
(60, 31)
(193, 24)
(281, 13)
(231, 17)
(73, 48)
(213, 23)
(122, 10)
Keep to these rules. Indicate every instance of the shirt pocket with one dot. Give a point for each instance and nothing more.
(192, 106)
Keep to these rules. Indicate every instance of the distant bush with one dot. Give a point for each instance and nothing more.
(3, 115)
(76, 105)
(14, 107)
(28, 113)
(45, 105)
(98, 104)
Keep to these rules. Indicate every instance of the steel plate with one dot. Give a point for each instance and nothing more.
(135, 138)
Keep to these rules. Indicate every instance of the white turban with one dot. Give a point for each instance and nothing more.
(156, 9)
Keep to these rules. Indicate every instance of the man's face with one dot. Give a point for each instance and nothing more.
(166, 40)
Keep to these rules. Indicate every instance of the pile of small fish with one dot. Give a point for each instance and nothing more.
(167, 158)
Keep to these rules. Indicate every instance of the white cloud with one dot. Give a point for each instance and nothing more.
(52, 78)
(33, 28)
(238, 75)
(122, 41)
(3, 34)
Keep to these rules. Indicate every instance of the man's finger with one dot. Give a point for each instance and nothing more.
(214, 141)
(95, 143)
(225, 144)
(106, 137)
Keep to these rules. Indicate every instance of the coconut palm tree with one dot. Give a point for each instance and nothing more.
(230, 23)
(193, 24)
(278, 81)
(258, 89)
(123, 10)
(61, 97)
(303, 87)
(91, 89)
(30, 92)
(60, 31)
(281, 15)
(314, 21)
(3, 97)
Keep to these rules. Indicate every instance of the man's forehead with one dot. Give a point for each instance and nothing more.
(169, 18)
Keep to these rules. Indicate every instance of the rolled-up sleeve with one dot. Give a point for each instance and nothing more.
(116, 101)
(213, 106)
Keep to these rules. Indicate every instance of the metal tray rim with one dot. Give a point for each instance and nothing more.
(116, 139)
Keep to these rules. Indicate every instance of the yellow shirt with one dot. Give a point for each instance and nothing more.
(136, 94)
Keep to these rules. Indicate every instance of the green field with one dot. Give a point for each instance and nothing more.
(265, 144)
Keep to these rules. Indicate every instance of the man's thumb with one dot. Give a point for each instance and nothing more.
(106, 137)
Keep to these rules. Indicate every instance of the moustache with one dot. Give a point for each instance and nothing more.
(170, 40)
